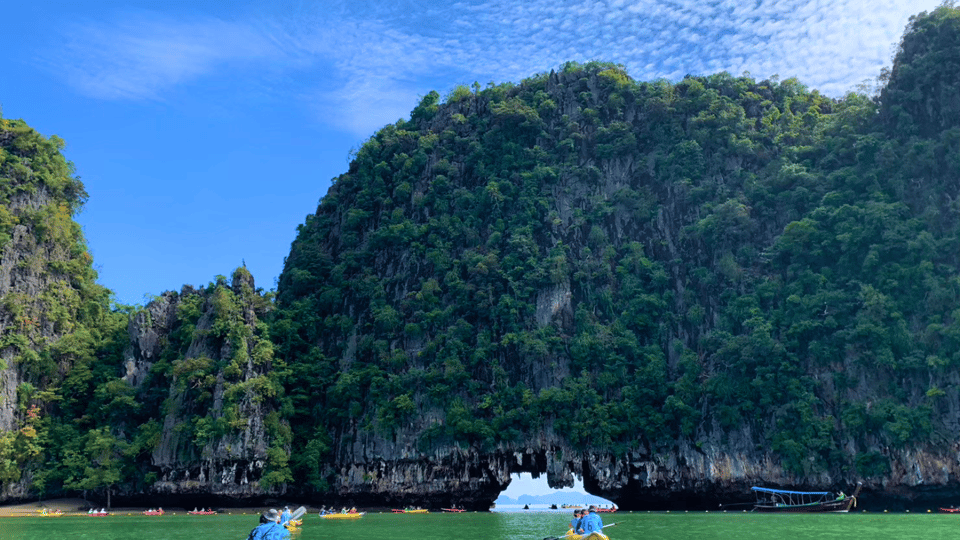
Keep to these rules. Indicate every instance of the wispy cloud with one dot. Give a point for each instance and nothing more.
(144, 55)
(831, 46)
(375, 58)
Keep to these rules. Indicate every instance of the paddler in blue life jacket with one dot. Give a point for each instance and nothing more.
(269, 528)
(285, 515)
(575, 522)
(592, 522)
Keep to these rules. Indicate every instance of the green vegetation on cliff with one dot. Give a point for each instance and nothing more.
(632, 264)
(57, 330)
(579, 259)
(82, 408)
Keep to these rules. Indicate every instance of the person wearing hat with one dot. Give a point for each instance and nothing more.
(269, 528)
(592, 522)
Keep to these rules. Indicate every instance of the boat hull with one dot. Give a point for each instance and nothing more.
(786, 504)
(830, 506)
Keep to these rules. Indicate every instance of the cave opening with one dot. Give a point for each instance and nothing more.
(535, 494)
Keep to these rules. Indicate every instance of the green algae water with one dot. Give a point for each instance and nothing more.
(497, 526)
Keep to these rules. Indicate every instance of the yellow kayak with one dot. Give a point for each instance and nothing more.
(343, 516)
(592, 536)
(418, 511)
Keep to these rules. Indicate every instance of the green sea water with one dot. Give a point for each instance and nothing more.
(498, 526)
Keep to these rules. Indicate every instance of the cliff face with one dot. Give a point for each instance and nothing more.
(215, 369)
(48, 298)
(921, 95)
(23, 284)
(178, 398)
(17, 278)
(675, 291)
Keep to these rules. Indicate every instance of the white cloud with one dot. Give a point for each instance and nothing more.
(374, 58)
(144, 55)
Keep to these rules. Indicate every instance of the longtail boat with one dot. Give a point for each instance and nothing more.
(780, 500)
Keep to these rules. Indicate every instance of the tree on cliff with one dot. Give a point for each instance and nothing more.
(97, 464)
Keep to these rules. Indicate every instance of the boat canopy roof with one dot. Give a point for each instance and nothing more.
(768, 490)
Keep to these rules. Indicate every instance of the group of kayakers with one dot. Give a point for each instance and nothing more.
(586, 521)
(324, 510)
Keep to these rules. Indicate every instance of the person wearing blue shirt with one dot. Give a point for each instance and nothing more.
(592, 522)
(285, 515)
(269, 528)
(575, 522)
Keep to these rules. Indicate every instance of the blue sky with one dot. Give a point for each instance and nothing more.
(524, 484)
(205, 132)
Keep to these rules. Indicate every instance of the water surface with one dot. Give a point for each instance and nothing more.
(497, 526)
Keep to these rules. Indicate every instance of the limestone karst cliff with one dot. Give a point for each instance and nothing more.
(179, 397)
(672, 290)
(205, 353)
(676, 291)
(53, 315)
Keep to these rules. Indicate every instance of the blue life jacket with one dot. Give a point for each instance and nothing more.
(591, 523)
(269, 531)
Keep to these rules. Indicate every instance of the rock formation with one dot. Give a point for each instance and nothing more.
(48, 294)
(676, 292)
(214, 439)
(672, 291)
